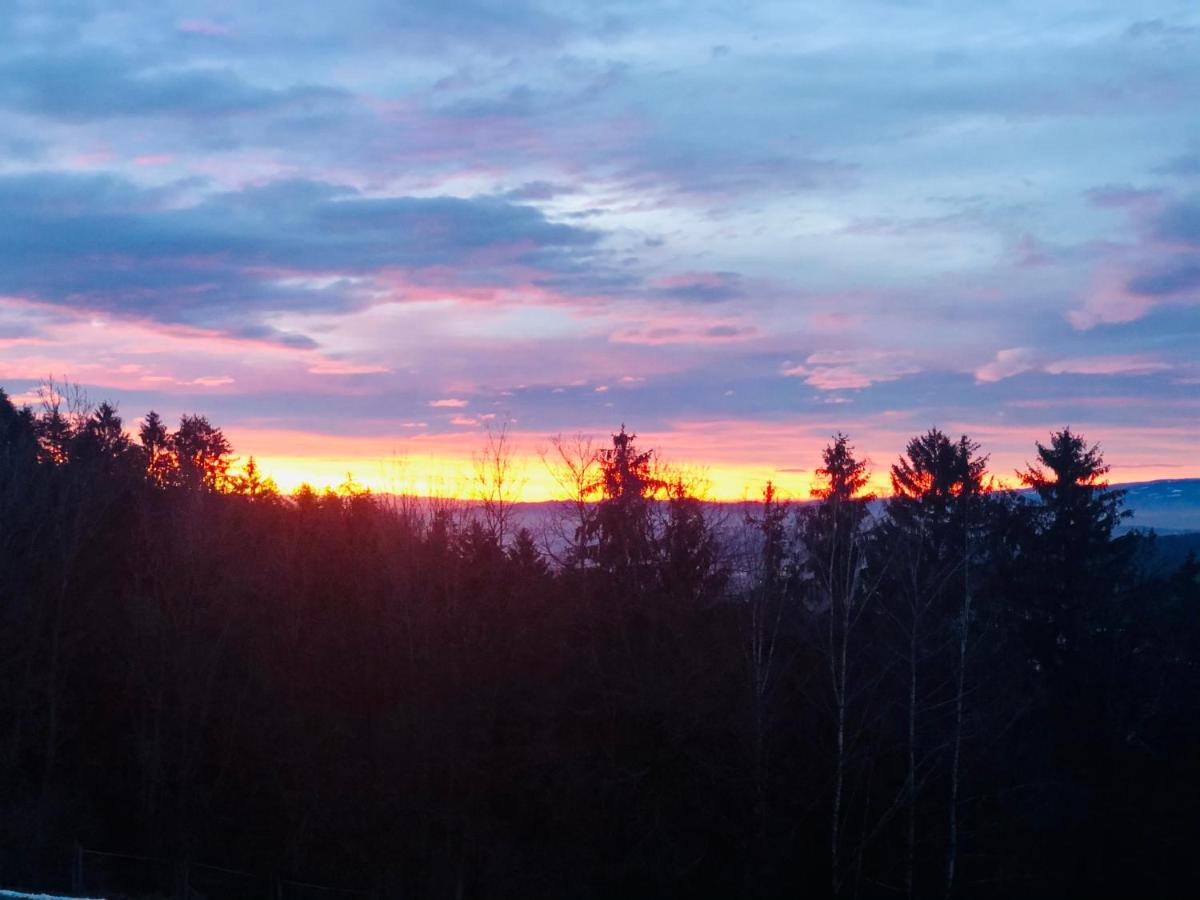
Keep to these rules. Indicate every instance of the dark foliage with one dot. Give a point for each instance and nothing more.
(968, 695)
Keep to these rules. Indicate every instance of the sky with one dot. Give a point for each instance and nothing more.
(357, 235)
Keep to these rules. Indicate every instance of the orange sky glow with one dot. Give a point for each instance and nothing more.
(361, 270)
(723, 470)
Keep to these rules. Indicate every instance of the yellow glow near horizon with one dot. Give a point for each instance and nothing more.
(445, 468)
(455, 477)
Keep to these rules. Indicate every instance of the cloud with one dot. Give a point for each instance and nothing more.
(1157, 28)
(672, 331)
(537, 190)
(1018, 360)
(432, 26)
(1173, 278)
(699, 287)
(449, 403)
(1186, 164)
(93, 84)
(835, 370)
(347, 210)
(211, 381)
(334, 367)
(1030, 253)
(1180, 222)
(1108, 365)
(1161, 268)
(1007, 363)
(230, 258)
(1122, 196)
(705, 171)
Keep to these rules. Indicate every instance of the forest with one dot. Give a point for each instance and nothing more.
(947, 691)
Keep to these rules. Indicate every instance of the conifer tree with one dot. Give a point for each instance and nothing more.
(833, 539)
(622, 529)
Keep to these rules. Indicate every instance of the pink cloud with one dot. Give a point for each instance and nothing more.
(1109, 302)
(210, 381)
(1016, 360)
(132, 354)
(690, 279)
(333, 367)
(684, 330)
(1006, 364)
(92, 159)
(1099, 402)
(1108, 365)
(835, 370)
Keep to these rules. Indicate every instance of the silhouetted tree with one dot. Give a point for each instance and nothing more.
(526, 558)
(769, 602)
(836, 566)
(250, 482)
(202, 454)
(934, 486)
(1076, 557)
(573, 463)
(621, 532)
(102, 440)
(498, 483)
(347, 688)
(691, 568)
(157, 456)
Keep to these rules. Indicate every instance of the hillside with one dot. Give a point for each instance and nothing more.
(1168, 506)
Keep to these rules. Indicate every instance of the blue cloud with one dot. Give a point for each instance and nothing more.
(875, 181)
(103, 242)
(1180, 222)
(1182, 276)
(99, 84)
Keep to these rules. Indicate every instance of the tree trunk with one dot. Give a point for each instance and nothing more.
(912, 759)
(964, 626)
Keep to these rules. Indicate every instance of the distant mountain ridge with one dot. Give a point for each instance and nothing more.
(1169, 505)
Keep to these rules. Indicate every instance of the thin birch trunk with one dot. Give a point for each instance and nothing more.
(964, 625)
(912, 758)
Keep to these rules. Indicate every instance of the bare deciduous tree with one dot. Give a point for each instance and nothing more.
(574, 464)
(499, 481)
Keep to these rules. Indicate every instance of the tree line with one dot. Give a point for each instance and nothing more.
(952, 691)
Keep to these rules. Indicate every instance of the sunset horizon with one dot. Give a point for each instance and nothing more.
(727, 234)
(588, 449)
(448, 465)
(406, 466)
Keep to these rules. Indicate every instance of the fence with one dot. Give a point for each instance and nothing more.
(131, 876)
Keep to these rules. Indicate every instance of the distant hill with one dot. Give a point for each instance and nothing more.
(1167, 552)
(1170, 506)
